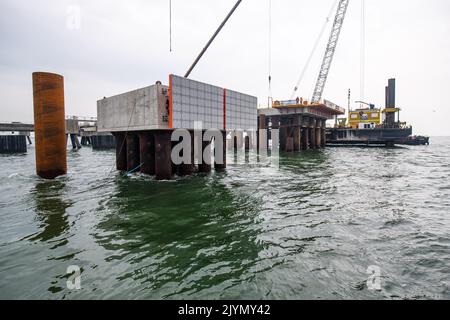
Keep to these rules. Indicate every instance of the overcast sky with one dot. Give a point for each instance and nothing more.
(123, 45)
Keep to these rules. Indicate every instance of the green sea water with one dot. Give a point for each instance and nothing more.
(309, 229)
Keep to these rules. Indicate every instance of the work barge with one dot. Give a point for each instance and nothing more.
(372, 126)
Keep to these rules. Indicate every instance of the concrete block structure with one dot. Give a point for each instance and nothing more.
(138, 110)
(143, 120)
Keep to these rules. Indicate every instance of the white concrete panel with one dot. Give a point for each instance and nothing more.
(241, 111)
(195, 101)
(142, 109)
(147, 108)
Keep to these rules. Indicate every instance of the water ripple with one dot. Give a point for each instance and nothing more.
(309, 229)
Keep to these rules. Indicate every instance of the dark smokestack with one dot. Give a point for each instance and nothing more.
(391, 93)
(387, 98)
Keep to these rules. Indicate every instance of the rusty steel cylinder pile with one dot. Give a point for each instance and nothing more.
(50, 126)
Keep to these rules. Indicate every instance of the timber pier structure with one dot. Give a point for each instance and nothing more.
(16, 135)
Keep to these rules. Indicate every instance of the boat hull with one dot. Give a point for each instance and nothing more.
(377, 136)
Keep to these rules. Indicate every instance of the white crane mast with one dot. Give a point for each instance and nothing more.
(331, 48)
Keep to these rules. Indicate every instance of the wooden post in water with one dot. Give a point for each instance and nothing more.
(49, 125)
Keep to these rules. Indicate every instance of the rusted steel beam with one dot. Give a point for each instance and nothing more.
(133, 152)
(121, 151)
(312, 142)
(163, 161)
(147, 152)
(189, 168)
(223, 165)
(206, 151)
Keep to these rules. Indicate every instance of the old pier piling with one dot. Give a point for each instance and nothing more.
(147, 125)
(13, 144)
(73, 130)
(15, 141)
(49, 125)
(86, 128)
(101, 142)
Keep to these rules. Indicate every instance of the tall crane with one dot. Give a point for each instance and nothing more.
(329, 52)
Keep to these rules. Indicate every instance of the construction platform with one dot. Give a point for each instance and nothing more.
(302, 126)
(143, 122)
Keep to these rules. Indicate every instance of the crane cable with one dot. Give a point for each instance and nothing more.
(363, 52)
(314, 49)
(170, 25)
(212, 38)
(101, 184)
(269, 99)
